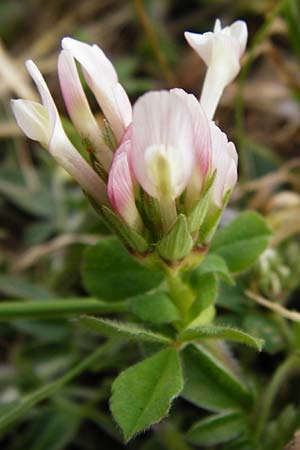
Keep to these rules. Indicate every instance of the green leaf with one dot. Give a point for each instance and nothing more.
(129, 237)
(108, 327)
(155, 307)
(142, 394)
(209, 384)
(242, 241)
(217, 265)
(109, 272)
(178, 242)
(218, 332)
(217, 428)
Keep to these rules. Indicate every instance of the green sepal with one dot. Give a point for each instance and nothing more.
(127, 235)
(149, 210)
(177, 243)
(108, 136)
(198, 213)
(211, 221)
(97, 166)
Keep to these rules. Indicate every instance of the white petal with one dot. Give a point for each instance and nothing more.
(162, 127)
(201, 129)
(33, 120)
(202, 44)
(103, 81)
(79, 109)
(221, 51)
(224, 161)
(202, 145)
(218, 26)
(239, 31)
(120, 188)
(60, 146)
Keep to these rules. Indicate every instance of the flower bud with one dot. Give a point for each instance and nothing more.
(103, 82)
(79, 109)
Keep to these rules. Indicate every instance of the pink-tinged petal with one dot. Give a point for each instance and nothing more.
(201, 130)
(162, 153)
(224, 161)
(79, 109)
(221, 50)
(121, 190)
(60, 146)
(202, 146)
(33, 120)
(103, 81)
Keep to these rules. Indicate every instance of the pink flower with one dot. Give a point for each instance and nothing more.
(170, 141)
(167, 146)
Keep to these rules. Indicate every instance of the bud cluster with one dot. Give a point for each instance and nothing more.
(160, 172)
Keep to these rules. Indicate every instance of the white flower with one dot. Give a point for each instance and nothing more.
(221, 51)
(41, 123)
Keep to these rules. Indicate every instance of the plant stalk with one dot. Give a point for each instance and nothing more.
(12, 310)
